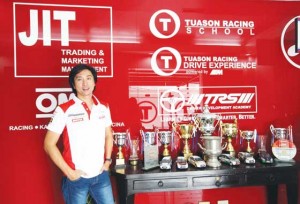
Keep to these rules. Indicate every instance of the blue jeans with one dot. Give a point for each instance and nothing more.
(99, 187)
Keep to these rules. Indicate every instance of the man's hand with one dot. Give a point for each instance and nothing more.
(75, 174)
(106, 165)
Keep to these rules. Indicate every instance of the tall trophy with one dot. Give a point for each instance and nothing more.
(119, 139)
(283, 146)
(165, 138)
(206, 123)
(185, 132)
(151, 152)
(230, 131)
(248, 135)
(134, 148)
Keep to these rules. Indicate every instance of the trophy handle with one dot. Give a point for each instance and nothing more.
(174, 126)
(272, 129)
(142, 133)
(235, 121)
(220, 128)
(218, 119)
(290, 133)
(201, 147)
(224, 146)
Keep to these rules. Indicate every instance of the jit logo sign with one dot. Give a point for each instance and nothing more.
(49, 39)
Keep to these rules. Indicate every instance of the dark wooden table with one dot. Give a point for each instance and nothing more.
(132, 180)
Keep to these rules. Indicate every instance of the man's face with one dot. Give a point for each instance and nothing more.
(84, 83)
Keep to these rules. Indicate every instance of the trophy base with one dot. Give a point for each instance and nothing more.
(166, 153)
(213, 162)
(292, 161)
(146, 168)
(133, 161)
(232, 153)
(120, 163)
(187, 155)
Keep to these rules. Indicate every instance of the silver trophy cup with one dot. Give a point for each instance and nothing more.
(248, 135)
(279, 133)
(212, 149)
(120, 139)
(206, 122)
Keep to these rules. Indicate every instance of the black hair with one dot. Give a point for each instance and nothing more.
(77, 69)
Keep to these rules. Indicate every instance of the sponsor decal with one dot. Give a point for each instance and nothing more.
(290, 41)
(61, 31)
(169, 21)
(149, 111)
(77, 120)
(162, 104)
(167, 61)
(224, 100)
(49, 98)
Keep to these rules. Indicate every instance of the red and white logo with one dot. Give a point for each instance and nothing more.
(50, 39)
(290, 41)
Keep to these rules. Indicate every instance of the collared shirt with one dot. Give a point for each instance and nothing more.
(83, 132)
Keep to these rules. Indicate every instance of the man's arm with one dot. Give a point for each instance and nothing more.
(108, 146)
(50, 146)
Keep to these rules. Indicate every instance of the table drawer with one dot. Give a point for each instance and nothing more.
(218, 181)
(160, 184)
(271, 178)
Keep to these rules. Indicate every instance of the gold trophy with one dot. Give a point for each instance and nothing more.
(248, 135)
(165, 138)
(185, 131)
(229, 130)
(119, 139)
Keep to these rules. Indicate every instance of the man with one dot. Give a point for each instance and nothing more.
(85, 126)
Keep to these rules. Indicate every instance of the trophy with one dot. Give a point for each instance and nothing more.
(165, 138)
(278, 133)
(151, 153)
(248, 135)
(119, 139)
(230, 131)
(134, 148)
(261, 143)
(185, 131)
(283, 147)
(212, 149)
(205, 121)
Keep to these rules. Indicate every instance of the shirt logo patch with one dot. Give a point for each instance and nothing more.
(77, 120)
(101, 117)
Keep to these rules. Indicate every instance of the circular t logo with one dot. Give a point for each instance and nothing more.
(166, 59)
(166, 23)
(290, 41)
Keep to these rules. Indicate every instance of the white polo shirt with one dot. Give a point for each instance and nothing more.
(83, 132)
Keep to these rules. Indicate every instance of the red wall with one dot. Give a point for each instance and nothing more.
(139, 56)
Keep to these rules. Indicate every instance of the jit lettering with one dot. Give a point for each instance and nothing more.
(63, 16)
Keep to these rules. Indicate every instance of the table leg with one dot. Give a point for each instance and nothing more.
(292, 193)
(272, 194)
